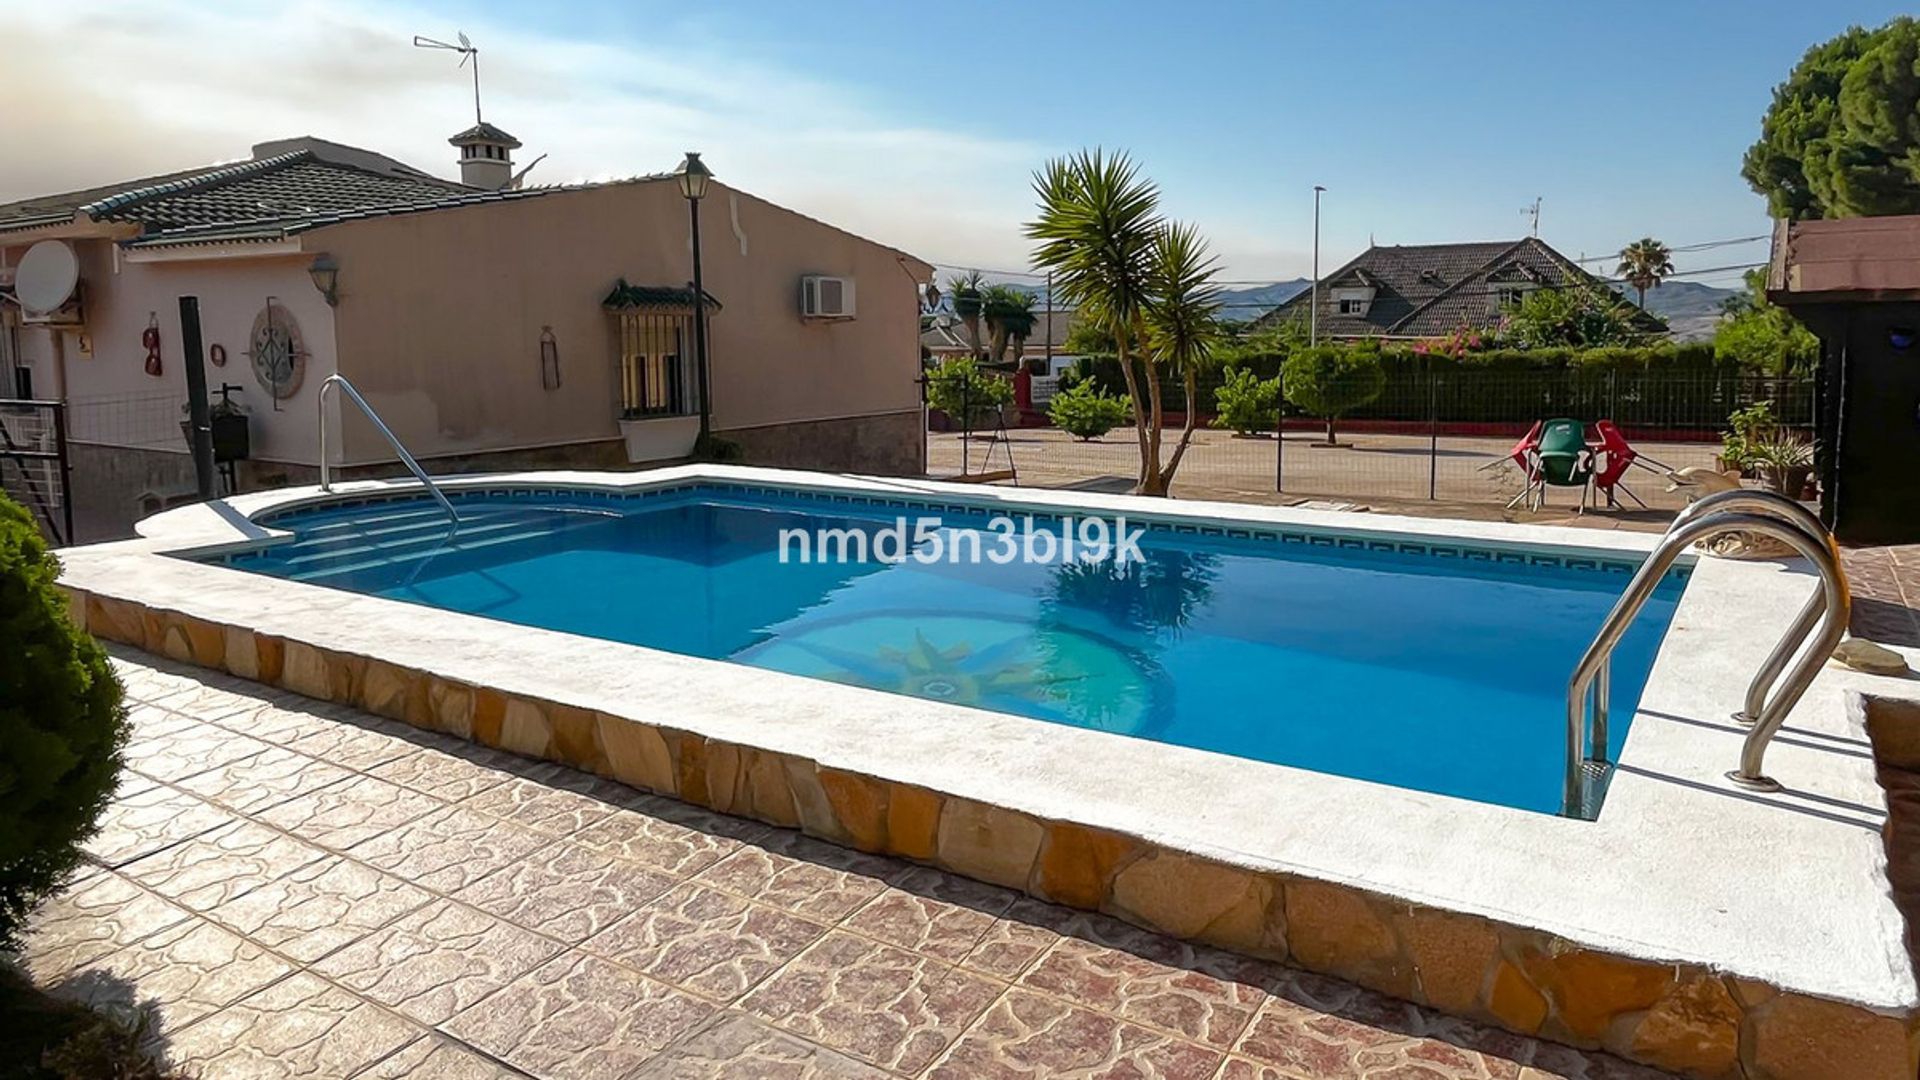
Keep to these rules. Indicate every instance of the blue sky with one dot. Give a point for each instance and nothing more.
(919, 124)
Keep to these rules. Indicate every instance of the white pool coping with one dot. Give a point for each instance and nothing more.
(1680, 866)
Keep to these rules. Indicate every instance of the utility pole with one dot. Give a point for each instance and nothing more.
(1313, 304)
(1049, 322)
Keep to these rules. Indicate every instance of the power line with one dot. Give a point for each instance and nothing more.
(1705, 245)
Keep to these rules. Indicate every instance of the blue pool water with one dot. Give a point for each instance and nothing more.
(1432, 666)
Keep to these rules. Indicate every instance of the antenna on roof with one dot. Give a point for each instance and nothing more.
(468, 51)
(1532, 210)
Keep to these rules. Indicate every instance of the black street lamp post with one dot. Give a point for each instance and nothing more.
(694, 177)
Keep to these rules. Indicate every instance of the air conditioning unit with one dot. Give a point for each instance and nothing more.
(826, 297)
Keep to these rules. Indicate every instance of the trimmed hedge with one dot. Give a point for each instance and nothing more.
(61, 726)
(1680, 386)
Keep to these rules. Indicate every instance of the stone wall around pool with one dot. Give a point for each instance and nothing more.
(1681, 1017)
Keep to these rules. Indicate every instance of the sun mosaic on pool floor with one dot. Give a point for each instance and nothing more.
(356, 898)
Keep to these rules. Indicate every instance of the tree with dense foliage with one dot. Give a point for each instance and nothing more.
(1083, 412)
(1134, 276)
(1009, 317)
(1842, 137)
(1333, 380)
(1644, 264)
(967, 294)
(61, 726)
(1247, 404)
(1761, 335)
(967, 394)
(1576, 316)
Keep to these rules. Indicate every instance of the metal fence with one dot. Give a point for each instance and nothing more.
(33, 463)
(147, 421)
(1440, 436)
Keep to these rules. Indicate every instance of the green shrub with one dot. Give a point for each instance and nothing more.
(1332, 381)
(1085, 413)
(1246, 403)
(958, 386)
(61, 726)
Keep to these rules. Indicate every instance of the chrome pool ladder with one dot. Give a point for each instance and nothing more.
(1744, 510)
(393, 440)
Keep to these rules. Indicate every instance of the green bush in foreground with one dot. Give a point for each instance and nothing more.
(61, 726)
(1085, 413)
(1246, 403)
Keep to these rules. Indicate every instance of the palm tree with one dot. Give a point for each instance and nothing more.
(1643, 264)
(1182, 320)
(1010, 317)
(1096, 230)
(965, 291)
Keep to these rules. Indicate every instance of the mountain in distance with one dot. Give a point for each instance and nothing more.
(1690, 308)
(1248, 303)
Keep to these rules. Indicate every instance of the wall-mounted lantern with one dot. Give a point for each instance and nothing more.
(326, 277)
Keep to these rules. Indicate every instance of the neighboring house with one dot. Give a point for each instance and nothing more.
(1423, 291)
(943, 334)
(492, 327)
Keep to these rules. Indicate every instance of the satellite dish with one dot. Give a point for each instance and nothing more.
(46, 277)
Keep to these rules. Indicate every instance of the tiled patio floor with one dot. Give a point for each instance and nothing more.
(1886, 592)
(293, 889)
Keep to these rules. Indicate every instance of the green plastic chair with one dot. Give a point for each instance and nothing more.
(1564, 461)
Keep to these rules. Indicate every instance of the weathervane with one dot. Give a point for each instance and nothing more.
(468, 51)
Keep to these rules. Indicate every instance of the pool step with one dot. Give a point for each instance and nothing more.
(417, 550)
(395, 539)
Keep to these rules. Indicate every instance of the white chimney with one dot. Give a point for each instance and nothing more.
(486, 156)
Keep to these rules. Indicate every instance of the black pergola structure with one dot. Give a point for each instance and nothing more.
(1855, 282)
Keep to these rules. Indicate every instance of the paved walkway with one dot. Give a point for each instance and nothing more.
(294, 889)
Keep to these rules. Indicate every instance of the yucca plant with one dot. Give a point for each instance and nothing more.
(968, 303)
(1009, 316)
(1183, 324)
(1133, 277)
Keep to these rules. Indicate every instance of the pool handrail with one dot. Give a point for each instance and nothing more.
(340, 381)
(1757, 500)
(1593, 672)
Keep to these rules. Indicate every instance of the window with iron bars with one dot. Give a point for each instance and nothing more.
(657, 376)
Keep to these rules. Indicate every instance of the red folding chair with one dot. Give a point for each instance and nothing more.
(1620, 456)
(1525, 454)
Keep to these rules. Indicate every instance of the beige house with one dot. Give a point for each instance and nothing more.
(492, 327)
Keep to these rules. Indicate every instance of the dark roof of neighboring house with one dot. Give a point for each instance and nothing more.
(1431, 290)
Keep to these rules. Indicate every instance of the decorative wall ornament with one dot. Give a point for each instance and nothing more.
(549, 360)
(217, 354)
(277, 351)
(150, 341)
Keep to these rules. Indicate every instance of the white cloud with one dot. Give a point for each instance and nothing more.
(99, 92)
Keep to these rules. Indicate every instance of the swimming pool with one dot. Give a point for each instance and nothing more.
(1439, 666)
